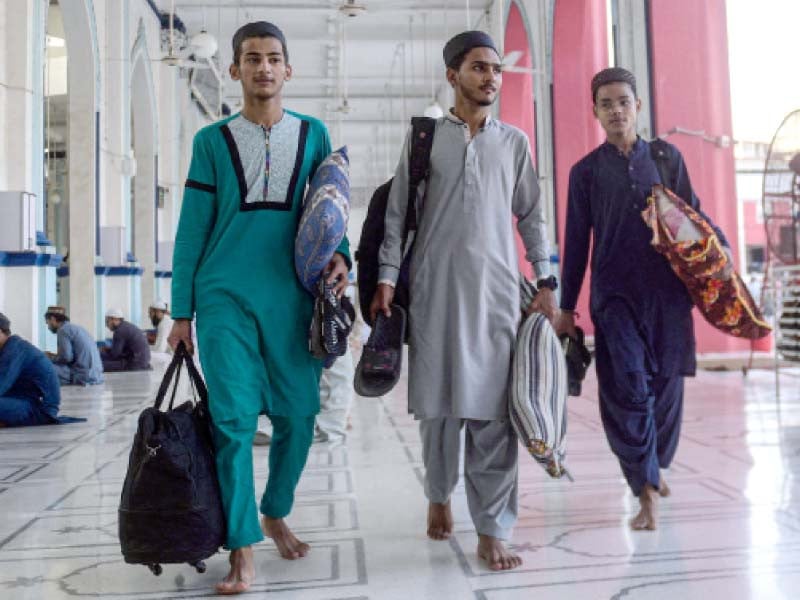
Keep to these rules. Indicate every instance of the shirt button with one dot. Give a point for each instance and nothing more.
(633, 186)
(630, 169)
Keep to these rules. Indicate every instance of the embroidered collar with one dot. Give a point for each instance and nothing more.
(260, 126)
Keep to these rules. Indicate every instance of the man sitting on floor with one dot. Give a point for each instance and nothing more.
(78, 360)
(129, 349)
(29, 390)
(159, 317)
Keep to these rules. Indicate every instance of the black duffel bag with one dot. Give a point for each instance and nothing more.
(171, 510)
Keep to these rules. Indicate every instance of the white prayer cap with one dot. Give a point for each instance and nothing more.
(158, 305)
(114, 313)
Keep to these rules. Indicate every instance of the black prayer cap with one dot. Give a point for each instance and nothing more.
(612, 75)
(5, 324)
(463, 43)
(258, 29)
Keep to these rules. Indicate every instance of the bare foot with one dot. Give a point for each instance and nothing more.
(496, 555)
(242, 573)
(648, 514)
(288, 545)
(663, 489)
(440, 521)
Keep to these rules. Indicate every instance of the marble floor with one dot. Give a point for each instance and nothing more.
(730, 530)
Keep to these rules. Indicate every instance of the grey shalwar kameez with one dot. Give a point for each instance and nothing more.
(464, 309)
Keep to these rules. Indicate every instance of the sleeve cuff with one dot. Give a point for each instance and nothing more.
(388, 274)
(541, 269)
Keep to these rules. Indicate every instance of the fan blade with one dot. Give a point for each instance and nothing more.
(520, 70)
(510, 59)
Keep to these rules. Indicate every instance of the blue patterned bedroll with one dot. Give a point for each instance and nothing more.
(323, 223)
(538, 399)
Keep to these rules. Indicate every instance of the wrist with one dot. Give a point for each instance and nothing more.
(549, 283)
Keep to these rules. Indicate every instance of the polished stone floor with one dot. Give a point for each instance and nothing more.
(730, 530)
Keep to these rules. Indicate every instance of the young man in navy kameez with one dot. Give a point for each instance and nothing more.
(640, 309)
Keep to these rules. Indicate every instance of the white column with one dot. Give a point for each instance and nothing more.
(82, 112)
(633, 54)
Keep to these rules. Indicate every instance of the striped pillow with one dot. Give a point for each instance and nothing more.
(323, 224)
(537, 405)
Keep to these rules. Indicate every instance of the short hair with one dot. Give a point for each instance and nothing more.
(458, 60)
(259, 29)
(612, 75)
(5, 324)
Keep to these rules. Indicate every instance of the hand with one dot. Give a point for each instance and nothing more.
(181, 332)
(545, 303)
(337, 273)
(382, 301)
(566, 324)
(727, 270)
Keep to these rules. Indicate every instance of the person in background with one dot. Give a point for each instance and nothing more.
(161, 320)
(77, 361)
(129, 349)
(29, 389)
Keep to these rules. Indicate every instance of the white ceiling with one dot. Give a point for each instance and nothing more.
(385, 85)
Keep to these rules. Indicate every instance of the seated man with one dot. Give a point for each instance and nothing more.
(129, 350)
(159, 317)
(29, 391)
(78, 360)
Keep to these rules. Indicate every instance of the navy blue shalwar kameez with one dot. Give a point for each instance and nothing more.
(29, 390)
(641, 311)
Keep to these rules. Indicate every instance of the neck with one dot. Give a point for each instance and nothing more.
(264, 112)
(3, 340)
(474, 115)
(623, 141)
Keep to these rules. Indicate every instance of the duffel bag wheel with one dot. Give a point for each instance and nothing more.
(200, 566)
(156, 569)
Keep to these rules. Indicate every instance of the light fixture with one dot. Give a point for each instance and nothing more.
(204, 45)
(433, 110)
(55, 42)
(351, 8)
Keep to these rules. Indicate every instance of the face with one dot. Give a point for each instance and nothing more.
(262, 68)
(52, 324)
(112, 323)
(479, 78)
(156, 316)
(617, 108)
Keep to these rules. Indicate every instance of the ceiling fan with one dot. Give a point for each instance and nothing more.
(510, 61)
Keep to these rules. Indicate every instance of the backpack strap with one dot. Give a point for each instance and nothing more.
(659, 152)
(422, 129)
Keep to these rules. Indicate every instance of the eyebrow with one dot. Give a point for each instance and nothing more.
(273, 53)
(484, 63)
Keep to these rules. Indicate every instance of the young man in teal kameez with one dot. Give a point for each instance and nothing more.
(234, 268)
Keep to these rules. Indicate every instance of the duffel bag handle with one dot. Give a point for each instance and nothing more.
(173, 372)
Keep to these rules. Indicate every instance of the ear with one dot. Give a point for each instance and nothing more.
(638, 105)
(233, 70)
(452, 76)
(594, 111)
(288, 73)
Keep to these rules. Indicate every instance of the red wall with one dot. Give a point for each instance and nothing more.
(580, 49)
(693, 92)
(516, 100)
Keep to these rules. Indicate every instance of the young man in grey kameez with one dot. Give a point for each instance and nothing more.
(464, 309)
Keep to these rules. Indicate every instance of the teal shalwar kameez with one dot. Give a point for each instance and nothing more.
(233, 267)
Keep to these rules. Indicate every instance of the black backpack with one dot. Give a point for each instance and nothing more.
(368, 265)
(171, 510)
